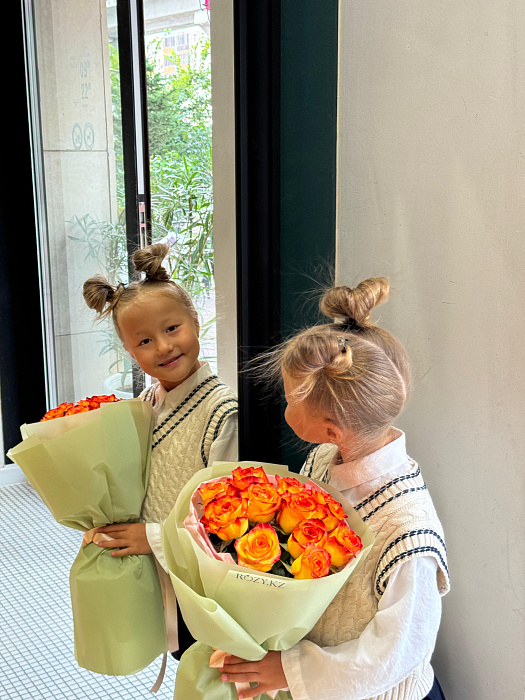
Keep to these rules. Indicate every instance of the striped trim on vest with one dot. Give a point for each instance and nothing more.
(400, 486)
(220, 413)
(149, 395)
(309, 464)
(421, 542)
(189, 404)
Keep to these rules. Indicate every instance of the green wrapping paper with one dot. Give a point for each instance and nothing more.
(91, 469)
(236, 609)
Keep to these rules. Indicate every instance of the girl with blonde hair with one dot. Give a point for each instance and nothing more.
(345, 383)
(195, 414)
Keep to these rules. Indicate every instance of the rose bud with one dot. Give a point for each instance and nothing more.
(217, 489)
(263, 502)
(296, 507)
(343, 544)
(335, 513)
(314, 562)
(259, 549)
(288, 483)
(226, 517)
(242, 478)
(307, 532)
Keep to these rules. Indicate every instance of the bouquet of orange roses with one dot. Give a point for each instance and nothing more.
(82, 406)
(89, 462)
(272, 523)
(255, 555)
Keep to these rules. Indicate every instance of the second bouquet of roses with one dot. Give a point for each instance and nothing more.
(256, 554)
(89, 462)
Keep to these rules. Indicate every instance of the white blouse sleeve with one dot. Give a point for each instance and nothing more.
(391, 646)
(153, 535)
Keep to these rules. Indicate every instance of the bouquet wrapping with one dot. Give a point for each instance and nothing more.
(236, 609)
(91, 469)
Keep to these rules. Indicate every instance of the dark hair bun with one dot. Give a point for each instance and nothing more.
(149, 260)
(356, 303)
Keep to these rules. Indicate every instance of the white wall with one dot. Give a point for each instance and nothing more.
(432, 193)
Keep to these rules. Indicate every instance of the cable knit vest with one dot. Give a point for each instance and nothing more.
(405, 523)
(181, 442)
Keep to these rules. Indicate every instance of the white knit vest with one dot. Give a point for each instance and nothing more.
(405, 523)
(181, 442)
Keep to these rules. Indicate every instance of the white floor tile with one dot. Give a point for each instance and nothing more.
(36, 628)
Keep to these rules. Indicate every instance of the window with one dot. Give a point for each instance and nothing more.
(86, 187)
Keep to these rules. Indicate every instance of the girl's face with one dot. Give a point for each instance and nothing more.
(163, 337)
(306, 424)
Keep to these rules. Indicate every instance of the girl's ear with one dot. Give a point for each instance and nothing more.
(333, 432)
(197, 324)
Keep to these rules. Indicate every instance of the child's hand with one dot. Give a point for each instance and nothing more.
(131, 537)
(268, 673)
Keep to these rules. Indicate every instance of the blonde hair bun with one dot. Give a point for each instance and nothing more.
(98, 293)
(149, 260)
(357, 303)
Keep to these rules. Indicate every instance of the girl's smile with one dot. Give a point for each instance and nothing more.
(163, 337)
(171, 362)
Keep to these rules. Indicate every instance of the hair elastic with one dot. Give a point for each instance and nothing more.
(343, 343)
(119, 289)
(349, 325)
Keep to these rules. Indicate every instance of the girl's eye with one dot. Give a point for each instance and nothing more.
(145, 341)
(172, 328)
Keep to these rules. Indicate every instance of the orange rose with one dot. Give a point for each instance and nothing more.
(259, 549)
(242, 478)
(77, 408)
(288, 483)
(335, 513)
(57, 412)
(314, 562)
(103, 398)
(217, 489)
(263, 502)
(343, 544)
(299, 506)
(226, 517)
(307, 532)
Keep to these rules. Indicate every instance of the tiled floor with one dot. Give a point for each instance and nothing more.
(36, 628)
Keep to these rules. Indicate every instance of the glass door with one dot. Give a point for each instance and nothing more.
(108, 80)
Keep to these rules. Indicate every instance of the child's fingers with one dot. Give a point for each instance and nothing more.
(113, 543)
(241, 678)
(123, 552)
(117, 527)
(239, 669)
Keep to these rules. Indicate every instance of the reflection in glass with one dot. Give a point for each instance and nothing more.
(75, 93)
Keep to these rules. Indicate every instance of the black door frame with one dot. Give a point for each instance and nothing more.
(286, 134)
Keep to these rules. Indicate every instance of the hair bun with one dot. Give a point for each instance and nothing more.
(98, 293)
(149, 260)
(357, 303)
